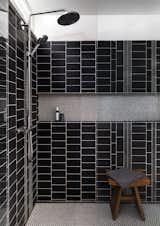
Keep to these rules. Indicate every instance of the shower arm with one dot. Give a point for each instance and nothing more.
(48, 12)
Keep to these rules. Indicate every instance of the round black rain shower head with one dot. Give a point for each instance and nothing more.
(68, 18)
(42, 40)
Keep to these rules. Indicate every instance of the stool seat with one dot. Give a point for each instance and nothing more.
(138, 183)
(119, 194)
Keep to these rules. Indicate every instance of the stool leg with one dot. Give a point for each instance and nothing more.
(113, 199)
(116, 202)
(138, 202)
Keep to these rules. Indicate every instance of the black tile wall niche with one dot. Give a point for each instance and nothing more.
(73, 158)
(3, 132)
(111, 67)
(16, 119)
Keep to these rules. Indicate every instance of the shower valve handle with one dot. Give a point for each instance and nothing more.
(21, 130)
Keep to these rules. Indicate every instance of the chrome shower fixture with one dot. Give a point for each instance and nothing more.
(40, 41)
(68, 18)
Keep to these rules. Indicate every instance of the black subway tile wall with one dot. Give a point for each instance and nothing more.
(16, 118)
(44, 68)
(73, 158)
(44, 161)
(12, 117)
(158, 65)
(59, 170)
(73, 67)
(73, 163)
(101, 67)
(58, 66)
(19, 64)
(34, 118)
(157, 163)
(88, 66)
(141, 66)
(88, 161)
(141, 152)
(3, 131)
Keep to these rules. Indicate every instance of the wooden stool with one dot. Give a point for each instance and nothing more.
(120, 195)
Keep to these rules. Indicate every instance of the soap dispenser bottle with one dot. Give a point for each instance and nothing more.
(57, 114)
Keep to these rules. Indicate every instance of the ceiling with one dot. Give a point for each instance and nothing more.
(100, 19)
(98, 6)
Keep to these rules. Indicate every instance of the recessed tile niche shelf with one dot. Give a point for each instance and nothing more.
(101, 67)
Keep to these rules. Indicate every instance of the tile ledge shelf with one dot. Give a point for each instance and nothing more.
(107, 121)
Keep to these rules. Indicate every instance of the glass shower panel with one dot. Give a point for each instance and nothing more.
(3, 113)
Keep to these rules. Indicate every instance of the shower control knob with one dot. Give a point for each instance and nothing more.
(21, 130)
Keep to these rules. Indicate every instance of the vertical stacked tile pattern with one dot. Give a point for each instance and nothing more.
(110, 154)
(88, 66)
(3, 132)
(81, 67)
(59, 161)
(81, 154)
(58, 66)
(100, 67)
(88, 159)
(141, 66)
(44, 161)
(73, 67)
(157, 163)
(73, 161)
(141, 153)
(158, 66)
(104, 155)
(105, 81)
(119, 87)
(44, 68)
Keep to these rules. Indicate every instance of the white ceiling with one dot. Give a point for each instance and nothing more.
(98, 6)
(100, 19)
